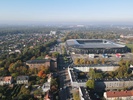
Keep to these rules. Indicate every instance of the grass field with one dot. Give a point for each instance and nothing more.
(130, 46)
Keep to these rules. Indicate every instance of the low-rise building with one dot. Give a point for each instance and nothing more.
(119, 95)
(48, 63)
(46, 86)
(7, 80)
(86, 68)
(22, 79)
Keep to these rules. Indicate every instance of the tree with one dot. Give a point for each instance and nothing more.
(90, 84)
(98, 75)
(76, 61)
(91, 73)
(38, 92)
(76, 95)
(82, 61)
(95, 61)
(55, 54)
(41, 74)
(54, 82)
(103, 61)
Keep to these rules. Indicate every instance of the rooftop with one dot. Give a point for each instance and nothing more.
(6, 78)
(119, 93)
(85, 93)
(75, 78)
(37, 61)
(94, 65)
(22, 77)
(114, 79)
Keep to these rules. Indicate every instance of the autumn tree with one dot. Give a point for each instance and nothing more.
(76, 61)
(103, 61)
(82, 61)
(41, 74)
(95, 61)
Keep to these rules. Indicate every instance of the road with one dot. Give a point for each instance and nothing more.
(65, 88)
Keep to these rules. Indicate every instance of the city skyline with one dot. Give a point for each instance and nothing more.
(66, 11)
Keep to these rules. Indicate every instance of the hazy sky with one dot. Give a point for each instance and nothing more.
(13, 11)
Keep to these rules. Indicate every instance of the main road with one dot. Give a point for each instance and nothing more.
(65, 88)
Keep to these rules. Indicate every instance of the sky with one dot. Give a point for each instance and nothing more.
(61, 11)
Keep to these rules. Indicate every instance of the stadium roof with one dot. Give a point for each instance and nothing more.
(92, 43)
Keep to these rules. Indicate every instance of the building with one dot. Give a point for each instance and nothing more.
(86, 68)
(52, 33)
(48, 96)
(48, 63)
(114, 83)
(94, 46)
(126, 36)
(100, 84)
(119, 95)
(83, 93)
(7, 80)
(22, 79)
(46, 85)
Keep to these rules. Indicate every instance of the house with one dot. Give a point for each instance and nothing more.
(48, 96)
(46, 86)
(7, 80)
(22, 79)
(119, 95)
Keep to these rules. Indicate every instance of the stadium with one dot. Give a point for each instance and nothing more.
(94, 46)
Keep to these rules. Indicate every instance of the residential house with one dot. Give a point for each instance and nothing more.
(22, 79)
(7, 80)
(48, 96)
(46, 86)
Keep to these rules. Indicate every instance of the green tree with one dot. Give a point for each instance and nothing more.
(90, 84)
(55, 54)
(92, 73)
(98, 75)
(54, 82)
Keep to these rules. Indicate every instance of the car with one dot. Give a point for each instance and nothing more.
(60, 88)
